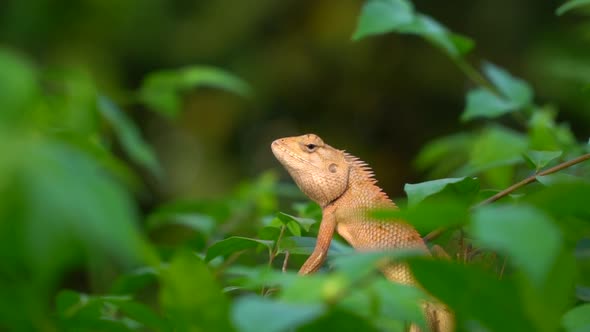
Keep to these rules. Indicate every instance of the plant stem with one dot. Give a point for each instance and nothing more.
(437, 232)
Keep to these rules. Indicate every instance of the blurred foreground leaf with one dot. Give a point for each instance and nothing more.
(161, 90)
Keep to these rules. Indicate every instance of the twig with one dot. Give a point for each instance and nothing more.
(533, 178)
(284, 269)
(437, 232)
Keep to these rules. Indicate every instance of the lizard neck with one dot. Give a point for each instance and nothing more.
(362, 192)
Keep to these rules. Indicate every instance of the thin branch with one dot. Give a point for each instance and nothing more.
(285, 261)
(533, 178)
(437, 232)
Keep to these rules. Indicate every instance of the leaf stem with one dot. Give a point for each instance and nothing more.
(437, 232)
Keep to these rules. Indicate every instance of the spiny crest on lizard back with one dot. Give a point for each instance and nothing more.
(319, 170)
(365, 173)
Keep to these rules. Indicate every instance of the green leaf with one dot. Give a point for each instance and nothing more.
(340, 320)
(18, 80)
(304, 223)
(482, 103)
(420, 191)
(577, 319)
(517, 91)
(191, 296)
(358, 265)
(72, 204)
(540, 159)
(161, 90)
(507, 230)
(496, 146)
(428, 28)
(501, 311)
(571, 4)
(145, 315)
(382, 16)
(304, 245)
(234, 244)
(429, 214)
(253, 314)
(129, 136)
(132, 282)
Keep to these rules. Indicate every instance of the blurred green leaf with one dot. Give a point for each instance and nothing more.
(382, 16)
(71, 204)
(454, 45)
(563, 200)
(131, 282)
(446, 154)
(571, 4)
(506, 228)
(540, 159)
(358, 265)
(253, 314)
(517, 91)
(129, 136)
(493, 151)
(78, 311)
(577, 319)
(191, 296)
(161, 90)
(340, 320)
(401, 302)
(304, 223)
(234, 244)
(420, 191)
(501, 310)
(143, 314)
(429, 215)
(18, 80)
(303, 245)
(483, 103)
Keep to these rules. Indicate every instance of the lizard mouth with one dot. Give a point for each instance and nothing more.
(281, 151)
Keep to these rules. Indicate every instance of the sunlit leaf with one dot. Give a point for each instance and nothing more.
(129, 136)
(253, 314)
(420, 191)
(571, 4)
(234, 244)
(506, 228)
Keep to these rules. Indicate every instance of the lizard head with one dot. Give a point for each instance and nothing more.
(319, 170)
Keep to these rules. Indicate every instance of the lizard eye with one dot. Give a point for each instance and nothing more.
(311, 147)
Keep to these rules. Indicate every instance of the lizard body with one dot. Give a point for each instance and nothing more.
(345, 188)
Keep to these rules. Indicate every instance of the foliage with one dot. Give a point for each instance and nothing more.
(68, 208)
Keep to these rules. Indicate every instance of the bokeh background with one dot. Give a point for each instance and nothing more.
(381, 98)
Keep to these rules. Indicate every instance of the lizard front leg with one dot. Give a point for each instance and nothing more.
(327, 227)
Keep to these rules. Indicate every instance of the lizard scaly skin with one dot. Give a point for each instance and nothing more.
(346, 190)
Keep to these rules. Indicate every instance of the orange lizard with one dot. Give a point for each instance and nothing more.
(346, 190)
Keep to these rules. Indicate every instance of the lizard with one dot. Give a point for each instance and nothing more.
(345, 188)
